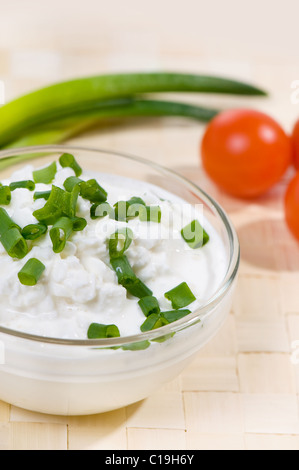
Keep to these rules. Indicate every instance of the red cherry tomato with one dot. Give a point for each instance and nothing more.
(291, 204)
(245, 152)
(295, 142)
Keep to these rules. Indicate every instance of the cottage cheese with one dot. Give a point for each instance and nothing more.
(79, 287)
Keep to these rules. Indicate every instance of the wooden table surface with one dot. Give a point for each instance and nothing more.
(241, 392)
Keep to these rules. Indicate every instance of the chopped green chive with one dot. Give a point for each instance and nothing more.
(98, 330)
(10, 236)
(92, 191)
(139, 289)
(71, 182)
(14, 244)
(149, 305)
(79, 224)
(68, 160)
(136, 210)
(127, 278)
(161, 339)
(28, 184)
(98, 211)
(180, 296)
(195, 235)
(31, 272)
(123, 270)
(136, 200)
(136, 207)
(52, 210)
(5, 195)
(34, 231)
(45, 175)
(151, 214)
(121, 210)
(140, 346)
(126, 210)
(60, 203)
(41, 195)
(174, 315)
(153, 321)
(60, 232)
(71, 202)
(157, 320)
(6, 222)
(119, 242)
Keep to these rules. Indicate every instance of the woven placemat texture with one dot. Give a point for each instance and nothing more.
(241, 391)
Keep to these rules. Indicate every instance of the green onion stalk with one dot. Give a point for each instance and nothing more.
(64, 128)
(58, 112)
(31, 272)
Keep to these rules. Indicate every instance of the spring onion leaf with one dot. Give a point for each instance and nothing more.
(71, 202)
(30, 185)
(68, 98)
(126, 210)
(136, 200)
(14, 244)
(79, 224)
(180, 296)
(53, 209)
(41, 195)
(34, 231)
(31, 272)
(45, 175)
(92, 191)
(68, 160)
(58, 128)
(195, 235)
(136, 210)
(136, 207)
(127, 278)
(123, 269)
(98, 211)
(10, 236)
(153, 322)
(119, 242)
(156, 320)
(121, 210)
(149, 305)
(98, 330)
(139, 289)
(71, 182)
(174, 315)
(60, 233)
(139, 346)
(60, 204)
(161, 339)
(151, 214)
(6, 222)
(5, 195)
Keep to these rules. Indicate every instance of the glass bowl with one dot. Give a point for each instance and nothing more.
(80, 377)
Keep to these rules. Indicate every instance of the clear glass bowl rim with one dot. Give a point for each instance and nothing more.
(186, 322)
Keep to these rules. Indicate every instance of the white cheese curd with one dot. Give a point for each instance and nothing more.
(79, 286)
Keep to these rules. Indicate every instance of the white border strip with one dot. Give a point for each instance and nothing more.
(2, 93)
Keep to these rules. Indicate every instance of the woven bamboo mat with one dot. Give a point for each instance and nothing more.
(241, 391)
